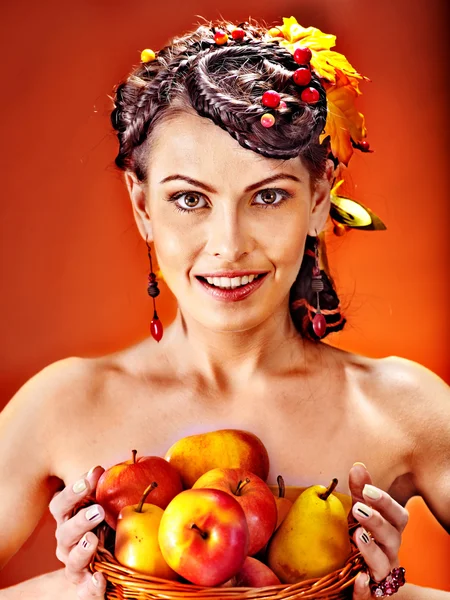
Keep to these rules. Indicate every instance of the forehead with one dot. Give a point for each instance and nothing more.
(189, 144)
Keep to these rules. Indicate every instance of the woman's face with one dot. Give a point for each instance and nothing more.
(211, 207)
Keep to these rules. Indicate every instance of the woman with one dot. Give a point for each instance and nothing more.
(217, 126)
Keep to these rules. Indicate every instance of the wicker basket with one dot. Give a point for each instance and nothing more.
(124, 583)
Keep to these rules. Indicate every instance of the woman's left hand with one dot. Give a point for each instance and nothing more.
(382, 521)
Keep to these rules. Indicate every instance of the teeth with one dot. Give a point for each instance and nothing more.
(227, 282)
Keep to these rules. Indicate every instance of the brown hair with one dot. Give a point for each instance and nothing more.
(225, 83)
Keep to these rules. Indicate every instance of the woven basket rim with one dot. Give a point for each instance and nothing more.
(330, 586)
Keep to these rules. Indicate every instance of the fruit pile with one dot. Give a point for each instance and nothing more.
(204, 515)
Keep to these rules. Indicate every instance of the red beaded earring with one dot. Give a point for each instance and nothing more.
(319, 322)
(156, 327)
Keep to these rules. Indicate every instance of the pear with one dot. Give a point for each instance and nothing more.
(313, 539)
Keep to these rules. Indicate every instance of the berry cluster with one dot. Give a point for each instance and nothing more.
(302, 77)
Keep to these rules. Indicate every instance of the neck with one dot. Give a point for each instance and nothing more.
(226, 359)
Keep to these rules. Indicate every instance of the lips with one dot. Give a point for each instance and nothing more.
(231, 294)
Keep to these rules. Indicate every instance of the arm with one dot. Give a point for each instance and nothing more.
(27, 469)
(427, 400)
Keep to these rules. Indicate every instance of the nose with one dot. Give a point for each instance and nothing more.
(229, 236)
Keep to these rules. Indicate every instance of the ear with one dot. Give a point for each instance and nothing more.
(136, 190)
(321, 201)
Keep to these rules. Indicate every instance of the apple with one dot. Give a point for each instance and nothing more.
(203, 536)
(226, 448)
(136, 544)
(253, 573)
(123, 484)
(283, 504)
(255, 497)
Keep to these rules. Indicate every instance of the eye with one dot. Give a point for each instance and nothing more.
(269, 197)
(191, 201)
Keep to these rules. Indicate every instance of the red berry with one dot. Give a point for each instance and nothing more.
(310, 95)
(302, 56)
(271, 99)
(302, 76)
(238, 34)
(319, 325)
(267, 120)
(364, 146)
(220, 37)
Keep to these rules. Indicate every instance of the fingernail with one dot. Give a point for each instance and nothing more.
(92, 513)
(363, 510)
(359, 463)
(84, 543)
(365, 578)
(79, 486)
(371, 492)
(95, 579)
(364, 537)
(91, 470)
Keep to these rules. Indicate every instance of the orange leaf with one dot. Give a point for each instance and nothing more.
(344, 122)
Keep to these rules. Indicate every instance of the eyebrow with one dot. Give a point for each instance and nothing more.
(250, 188)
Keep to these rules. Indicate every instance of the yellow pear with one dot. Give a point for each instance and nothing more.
(313, 539)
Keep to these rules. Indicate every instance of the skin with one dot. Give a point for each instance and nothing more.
(228, 365)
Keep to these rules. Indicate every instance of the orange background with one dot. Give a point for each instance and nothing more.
(73, 269)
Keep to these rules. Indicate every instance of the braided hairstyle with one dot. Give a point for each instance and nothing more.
(225, 83)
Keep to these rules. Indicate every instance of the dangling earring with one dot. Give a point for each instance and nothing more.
(156, 327)
(319, 322)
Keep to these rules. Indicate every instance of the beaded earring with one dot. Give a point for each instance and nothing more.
(319, 322)
(156, 327)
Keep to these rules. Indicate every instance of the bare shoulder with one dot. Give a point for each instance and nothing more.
(414, 386)
(400, 384)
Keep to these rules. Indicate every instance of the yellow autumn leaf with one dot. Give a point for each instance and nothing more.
(344, 122)
(311, 37)
(326, 62)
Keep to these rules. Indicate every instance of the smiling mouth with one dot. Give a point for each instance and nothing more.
(229, 287)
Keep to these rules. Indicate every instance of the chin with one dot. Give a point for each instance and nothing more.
(231, 323)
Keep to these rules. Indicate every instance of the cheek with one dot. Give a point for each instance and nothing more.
(175, 247)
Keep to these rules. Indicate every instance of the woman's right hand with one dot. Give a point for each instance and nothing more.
(76, 544)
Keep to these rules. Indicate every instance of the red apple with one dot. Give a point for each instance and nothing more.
(253, 573)
(255, 497)
(124, 484)
(203, 536)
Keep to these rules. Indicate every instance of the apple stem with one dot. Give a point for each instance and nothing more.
(281, 488)
(134, 452)
(147, 491)
(241, 484)
(203, 534)
(329, 489)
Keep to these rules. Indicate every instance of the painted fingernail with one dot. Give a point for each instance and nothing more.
(363, 510)
(92, 513)
(359, 463)
(364, 537)
(79, 486)
(91, 470)
(371, 492)
(84, 543)
(96, 580)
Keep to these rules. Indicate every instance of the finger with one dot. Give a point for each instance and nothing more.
(94, 475)
(63, 503)
(391, 510)
(93, 587)
(385, 534)
(69, 533)
(377, 561)
(361, 590)
(358, 477)
(79, 558)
